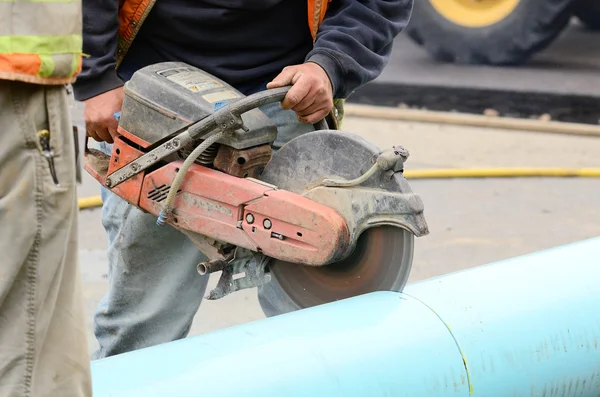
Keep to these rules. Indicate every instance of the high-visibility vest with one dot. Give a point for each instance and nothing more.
(40, 41)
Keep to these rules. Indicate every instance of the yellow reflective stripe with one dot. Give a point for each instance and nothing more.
(43, 45)
(47, 66)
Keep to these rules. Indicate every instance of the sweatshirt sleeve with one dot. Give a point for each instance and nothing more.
(354, 42)
(100, 27)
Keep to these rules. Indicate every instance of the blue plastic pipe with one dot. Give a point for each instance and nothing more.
(528, 326)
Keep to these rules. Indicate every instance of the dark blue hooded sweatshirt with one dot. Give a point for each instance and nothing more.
(244, 42)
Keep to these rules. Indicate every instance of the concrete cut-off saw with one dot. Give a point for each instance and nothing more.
(326, 217)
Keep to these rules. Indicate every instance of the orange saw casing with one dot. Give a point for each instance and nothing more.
(240, 211)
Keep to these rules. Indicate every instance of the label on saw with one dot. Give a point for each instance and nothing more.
(190, 79)
(219, 96)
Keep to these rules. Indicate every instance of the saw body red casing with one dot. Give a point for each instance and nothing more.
(239, 211)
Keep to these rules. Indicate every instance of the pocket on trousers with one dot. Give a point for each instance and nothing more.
(56, 141)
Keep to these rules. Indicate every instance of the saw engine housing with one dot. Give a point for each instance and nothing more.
(221, 204)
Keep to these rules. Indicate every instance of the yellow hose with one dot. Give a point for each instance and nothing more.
(502, 173)
(89, 202)
(450, 173)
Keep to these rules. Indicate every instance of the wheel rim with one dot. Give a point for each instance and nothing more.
(475, 13)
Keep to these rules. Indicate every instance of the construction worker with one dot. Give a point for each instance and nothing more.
(324, 48)
(43, 346)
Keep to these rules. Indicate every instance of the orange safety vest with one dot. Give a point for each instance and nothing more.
(132, 14)
(40, 41)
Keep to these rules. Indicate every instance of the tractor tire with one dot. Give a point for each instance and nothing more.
(455, 31)
(588, 12)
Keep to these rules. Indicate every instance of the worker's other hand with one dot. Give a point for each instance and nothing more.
(100, 122)
(311, 95)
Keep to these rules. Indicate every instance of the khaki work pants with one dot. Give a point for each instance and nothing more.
(43, 346)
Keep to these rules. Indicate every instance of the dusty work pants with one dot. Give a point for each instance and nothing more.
(43, 347)
(154, 288)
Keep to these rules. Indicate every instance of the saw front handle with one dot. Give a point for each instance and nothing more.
(227, 118)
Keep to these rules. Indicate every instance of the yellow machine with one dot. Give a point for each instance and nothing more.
(494, 32)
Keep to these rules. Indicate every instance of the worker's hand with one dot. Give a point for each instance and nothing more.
(100, 122)
(311, 95)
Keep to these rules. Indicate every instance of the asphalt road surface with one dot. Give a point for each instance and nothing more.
(472, 222)
(561, 82)
(570, 65)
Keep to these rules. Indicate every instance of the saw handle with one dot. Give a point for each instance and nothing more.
(238, 108)
(261, 98)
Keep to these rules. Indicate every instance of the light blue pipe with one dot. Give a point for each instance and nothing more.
(528, 326)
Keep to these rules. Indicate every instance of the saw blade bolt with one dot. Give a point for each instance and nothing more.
(250, 218)
(267, 224)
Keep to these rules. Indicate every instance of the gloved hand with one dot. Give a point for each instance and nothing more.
(100, 122)
(311, 95)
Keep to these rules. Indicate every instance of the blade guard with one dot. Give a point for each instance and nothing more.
(378, 195)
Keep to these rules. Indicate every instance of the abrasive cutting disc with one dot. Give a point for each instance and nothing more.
(383, 255)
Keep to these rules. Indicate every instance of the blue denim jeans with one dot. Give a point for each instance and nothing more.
(154, 289)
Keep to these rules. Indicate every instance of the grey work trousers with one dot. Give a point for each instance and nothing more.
(43, 346)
